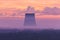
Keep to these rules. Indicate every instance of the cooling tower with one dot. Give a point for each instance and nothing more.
(30, 17)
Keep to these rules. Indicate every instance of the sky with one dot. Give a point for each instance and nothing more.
(38, 5)
(22, 4)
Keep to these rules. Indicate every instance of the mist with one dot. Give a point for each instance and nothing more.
(18, 23)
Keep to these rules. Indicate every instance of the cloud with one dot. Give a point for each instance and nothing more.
(51, 11)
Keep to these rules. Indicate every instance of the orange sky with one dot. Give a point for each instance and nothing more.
(22, 4)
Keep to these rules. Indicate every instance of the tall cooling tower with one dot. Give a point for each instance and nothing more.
(29, 18)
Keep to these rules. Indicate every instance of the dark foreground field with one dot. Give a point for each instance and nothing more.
(30, 35)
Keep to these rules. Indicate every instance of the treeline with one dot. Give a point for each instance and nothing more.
(31, 35)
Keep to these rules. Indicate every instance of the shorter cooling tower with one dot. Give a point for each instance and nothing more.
(29, 19)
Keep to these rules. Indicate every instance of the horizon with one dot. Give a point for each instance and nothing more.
(17, 12)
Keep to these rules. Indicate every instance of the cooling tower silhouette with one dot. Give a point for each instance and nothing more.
(29, 18)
